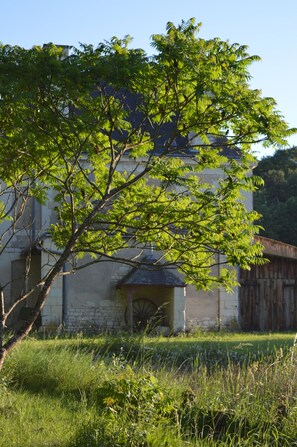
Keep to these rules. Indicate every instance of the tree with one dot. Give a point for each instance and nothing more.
(118, 142)
(276, 199)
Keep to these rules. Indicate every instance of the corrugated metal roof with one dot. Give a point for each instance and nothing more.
(152, 273)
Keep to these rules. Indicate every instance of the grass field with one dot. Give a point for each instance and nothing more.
(224, 389)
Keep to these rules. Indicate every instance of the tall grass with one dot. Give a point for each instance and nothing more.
(227, 390)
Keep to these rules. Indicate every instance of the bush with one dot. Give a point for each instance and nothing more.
(131, 406)
(136, 395)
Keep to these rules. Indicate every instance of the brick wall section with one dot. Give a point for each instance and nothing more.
(229, 308)
(107, 315)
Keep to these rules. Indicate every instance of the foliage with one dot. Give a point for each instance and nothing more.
(131, 406)
(117, 405)
(118, 143)
(132, 395)
(276, 200)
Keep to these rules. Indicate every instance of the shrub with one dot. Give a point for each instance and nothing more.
(131, 406)
(137, 395)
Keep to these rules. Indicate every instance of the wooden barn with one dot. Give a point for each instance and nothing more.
(268, 293)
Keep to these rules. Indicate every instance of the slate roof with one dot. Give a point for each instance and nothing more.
(181, 146)
(154, 275)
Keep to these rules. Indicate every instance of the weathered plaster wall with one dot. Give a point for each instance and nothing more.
(52, 312)
(201, 308)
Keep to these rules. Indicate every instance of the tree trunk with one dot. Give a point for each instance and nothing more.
(17, 337)
(2, 317)
(3, 354)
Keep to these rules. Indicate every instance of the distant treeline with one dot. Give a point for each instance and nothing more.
(277, 199)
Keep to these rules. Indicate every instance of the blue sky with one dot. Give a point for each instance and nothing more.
(268, 27)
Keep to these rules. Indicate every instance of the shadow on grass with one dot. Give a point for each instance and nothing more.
(73, 366)
(211, 349)
(188, 354)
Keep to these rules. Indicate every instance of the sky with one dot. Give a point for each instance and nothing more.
(267, 27)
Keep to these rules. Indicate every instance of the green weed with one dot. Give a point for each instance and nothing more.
(221, 389)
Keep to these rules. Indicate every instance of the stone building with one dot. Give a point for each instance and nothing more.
(109, 295)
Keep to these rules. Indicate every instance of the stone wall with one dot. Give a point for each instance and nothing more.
(107, 315)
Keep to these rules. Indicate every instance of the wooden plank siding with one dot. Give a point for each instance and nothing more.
(268, 293)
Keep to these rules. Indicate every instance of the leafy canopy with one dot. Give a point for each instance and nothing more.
(121, 143)
(276, 200)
